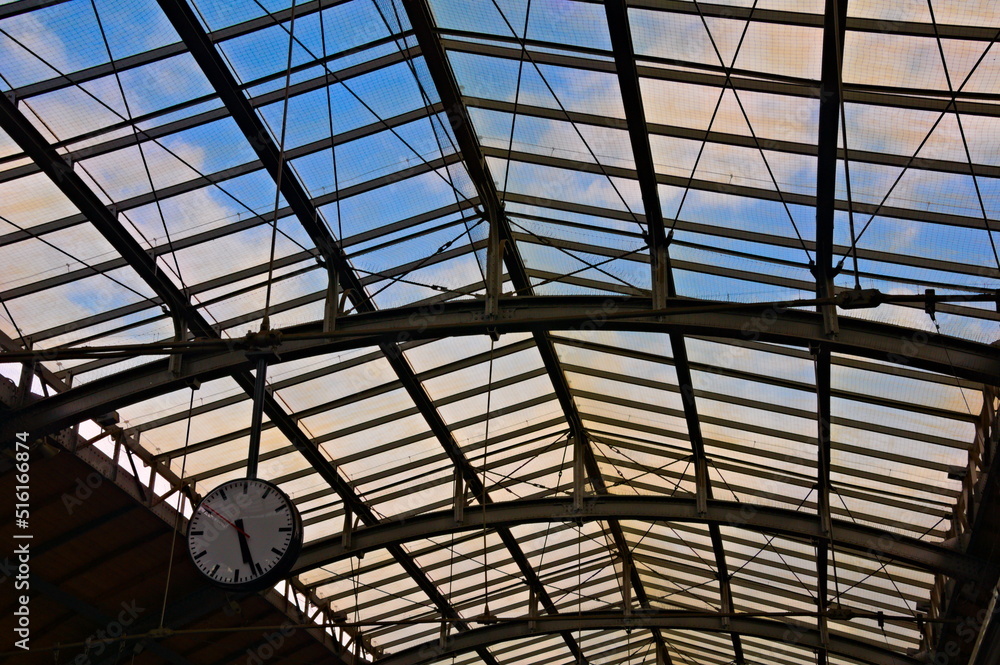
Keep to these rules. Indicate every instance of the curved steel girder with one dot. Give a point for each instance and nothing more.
(949, 355)
(789, 632)
(847, 536)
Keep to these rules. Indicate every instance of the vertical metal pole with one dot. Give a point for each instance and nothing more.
(532, 609)
(459, 498)
(579, 474)
(661, 654)
(180, 335)
(256, 419)
(627, 583)
(494, 264)
(701, 484)
(346, 536)
(332, 305)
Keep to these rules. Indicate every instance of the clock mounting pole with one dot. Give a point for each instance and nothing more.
(260, 386)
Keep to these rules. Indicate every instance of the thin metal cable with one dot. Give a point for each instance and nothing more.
(426, 259)
(952, 103)
(266, 322)
(180, 508)
(547, 242)
(208, 177)
(847, 160)
(486, 451)
(83, 168)
(746, 118)
(850, 200)
(517, 99)
(677, 485)
(954, 371)
(961, 131)
(623, 255)
(333, 144)
(576, 129)
(718, 104)
(877, 558)
(548, 528)
(425, 97)
(768, 544)
(336, 79)
(400, 280)
(142, 152)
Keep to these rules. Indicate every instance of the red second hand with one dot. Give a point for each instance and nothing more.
(226, 521)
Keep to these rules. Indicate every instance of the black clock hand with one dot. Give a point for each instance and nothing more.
(244, 548)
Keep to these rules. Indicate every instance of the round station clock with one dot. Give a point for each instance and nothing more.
(245, 535)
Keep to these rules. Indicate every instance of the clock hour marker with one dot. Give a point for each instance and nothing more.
(200, 554)
(266, 492)
(246, 486)
(285, 528)
(260, 571)
(201, 533)
(276, 551)
(222, 493)
(280, 508)
(214, 570)
(236, 575)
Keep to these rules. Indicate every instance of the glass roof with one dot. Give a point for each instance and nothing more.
(389, 128)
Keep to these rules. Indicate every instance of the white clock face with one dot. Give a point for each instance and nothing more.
(244, 534)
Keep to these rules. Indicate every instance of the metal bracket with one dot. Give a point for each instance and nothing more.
(701, 485)
(180, 335)
(347, 535)
(331, 305)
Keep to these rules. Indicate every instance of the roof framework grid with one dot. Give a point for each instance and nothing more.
(572, 259)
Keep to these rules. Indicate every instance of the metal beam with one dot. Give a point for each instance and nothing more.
(713, 76)
(727, 138)
(662, 277)
(928, 351)
(628, 83)
(70, 183)
(502, 245)
(239, 107)
(863, 540)
(834, 26)
(766, 629)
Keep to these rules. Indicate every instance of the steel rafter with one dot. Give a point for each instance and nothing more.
(240, 109)
(448, 88)
(419, 15)
(662, 277)
(766, 629)
(863, 540)
(834, 31)
(952, 356)
(70, 183)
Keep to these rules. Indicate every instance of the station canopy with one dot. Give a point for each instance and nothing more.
(177, 170)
